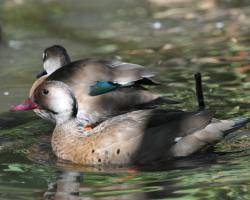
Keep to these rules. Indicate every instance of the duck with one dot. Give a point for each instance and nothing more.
(54, 57)
(134, 138)
(102, 87)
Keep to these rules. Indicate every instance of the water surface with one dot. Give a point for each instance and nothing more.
(174, 38)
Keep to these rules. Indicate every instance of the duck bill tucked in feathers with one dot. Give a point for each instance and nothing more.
(42, 73)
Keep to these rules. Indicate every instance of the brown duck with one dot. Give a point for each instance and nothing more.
(102, 87)
(137, 137)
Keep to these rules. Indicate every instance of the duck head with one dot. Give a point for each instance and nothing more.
(55, 98)
(54, 57)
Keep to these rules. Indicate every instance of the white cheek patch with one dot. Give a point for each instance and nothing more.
(59, 106)
(60, 101)
(51, 65)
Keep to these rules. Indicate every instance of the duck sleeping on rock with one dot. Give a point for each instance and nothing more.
(137, 137)
(102, 87)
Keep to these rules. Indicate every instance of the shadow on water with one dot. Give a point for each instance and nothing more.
(10, 120)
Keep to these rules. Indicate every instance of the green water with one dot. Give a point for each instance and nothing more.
(174, 38)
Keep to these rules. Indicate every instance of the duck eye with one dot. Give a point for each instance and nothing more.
(45, 92)
(44, 56)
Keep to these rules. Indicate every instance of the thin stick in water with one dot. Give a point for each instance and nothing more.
(199, 91)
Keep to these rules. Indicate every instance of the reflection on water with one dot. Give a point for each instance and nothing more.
(213, 176)
(175, 39)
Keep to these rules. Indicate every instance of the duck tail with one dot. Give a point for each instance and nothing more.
(238, 123)
(211, 134)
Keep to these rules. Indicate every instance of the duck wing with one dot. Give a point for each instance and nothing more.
(143, 136)
(123, 75)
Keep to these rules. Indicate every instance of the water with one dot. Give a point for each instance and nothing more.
(175, 39)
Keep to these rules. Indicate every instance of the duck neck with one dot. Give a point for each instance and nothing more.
(68, 117)
(73, 127)
(64, 118)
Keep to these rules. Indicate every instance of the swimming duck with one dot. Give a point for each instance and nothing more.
(137, 137)
(54, 57)
(119, 83)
